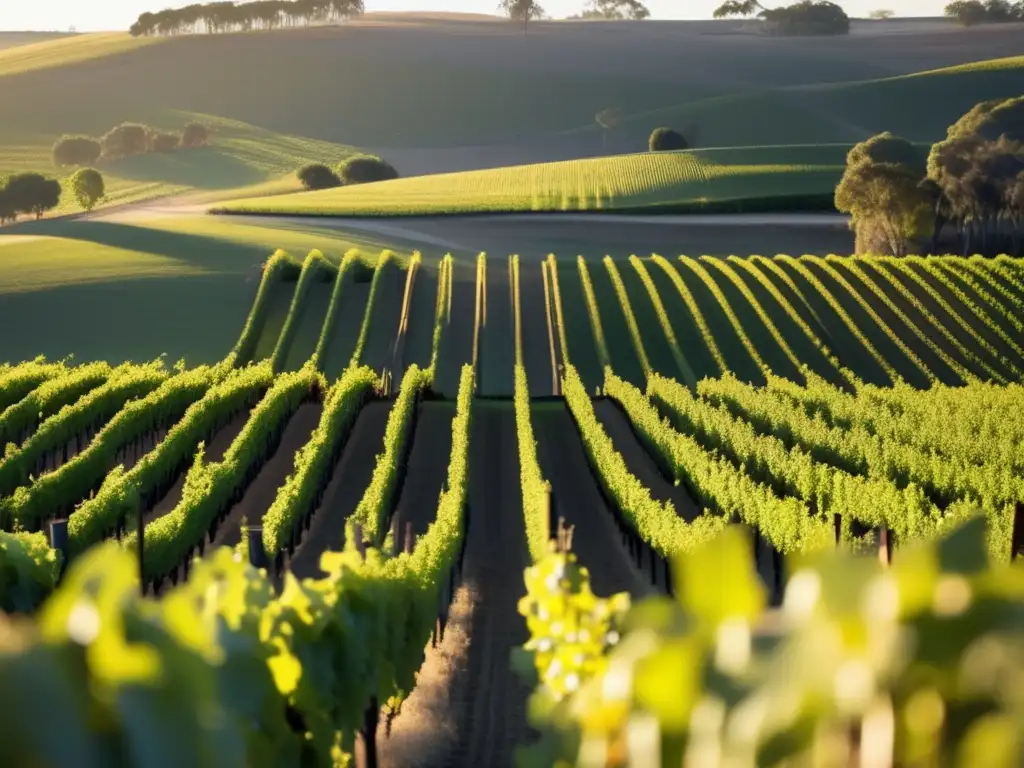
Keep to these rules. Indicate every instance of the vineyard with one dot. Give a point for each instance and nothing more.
(394, 441)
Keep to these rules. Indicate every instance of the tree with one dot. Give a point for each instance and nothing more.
(887, 148)
(881, 14)
(521, 10)
(666, 140)
(195, 135)
(317, 176)
(76, 150)
(125, 140)
(615, 10)
(362, 169)
(974, 174)
(882, 191)
(966, 12)
(32, 193)
(87, 186)
(807, 17)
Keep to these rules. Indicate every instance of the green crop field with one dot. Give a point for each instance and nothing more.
(625, 182)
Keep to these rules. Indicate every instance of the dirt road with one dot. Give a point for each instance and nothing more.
(468, 707)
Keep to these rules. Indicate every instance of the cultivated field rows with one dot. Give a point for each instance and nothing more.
(784, 393)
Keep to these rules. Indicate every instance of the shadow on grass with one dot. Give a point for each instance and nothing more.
(203, 168)
(214, 254)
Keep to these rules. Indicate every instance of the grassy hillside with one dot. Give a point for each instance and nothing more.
(919, 106)
(641, 181)
(478, 93)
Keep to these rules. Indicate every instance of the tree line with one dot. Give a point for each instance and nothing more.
(972, 12)
(970, 185)
(126, 140)
(222, 17)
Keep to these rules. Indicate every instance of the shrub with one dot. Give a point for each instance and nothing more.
(362, 169)
(195, 135)
(32, 193)
(666, 139)
(76, 150)
(87, 186)
(162, 141)
(317, 176)
(125, 140)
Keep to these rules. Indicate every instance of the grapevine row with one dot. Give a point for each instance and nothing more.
(56, 493)
(280, 267)
(125, 495)
(85, 416)
(212, 488)
(377, 504)
(796, 470)
(315, 268)
(657, 523)
(298, 498)
(16, 381)
(21, 418)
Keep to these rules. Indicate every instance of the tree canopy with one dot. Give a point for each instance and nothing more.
(221, 17)
(522, 10)
(30, 193)
(968, 13)
(88, 187)
(972, 180)
(807, 17)
(666, 139)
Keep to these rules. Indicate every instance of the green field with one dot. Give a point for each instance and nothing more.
(665, 180)
(97, 289)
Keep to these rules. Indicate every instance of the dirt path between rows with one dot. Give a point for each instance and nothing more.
(537, 351)
(639, 461)
(427, 469)
(456, 347)
(263, 489)
(345, 490)
(596, 539)
(468, 707)
(214, 452)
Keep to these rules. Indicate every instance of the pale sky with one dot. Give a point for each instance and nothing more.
(119, 14)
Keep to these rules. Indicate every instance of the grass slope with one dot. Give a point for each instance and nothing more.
(135, 288)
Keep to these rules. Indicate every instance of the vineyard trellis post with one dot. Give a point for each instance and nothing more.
(257, 554)
(140, 530)
(59, 541)
(1017, 532)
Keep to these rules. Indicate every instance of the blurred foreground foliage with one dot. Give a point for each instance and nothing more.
(917, 664)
